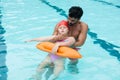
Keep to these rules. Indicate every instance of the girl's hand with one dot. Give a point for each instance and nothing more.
(55, 48)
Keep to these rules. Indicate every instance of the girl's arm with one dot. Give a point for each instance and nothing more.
(69, 42)
(55, 48)
(41, 39)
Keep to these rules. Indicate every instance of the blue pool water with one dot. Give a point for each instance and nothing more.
(21, 20)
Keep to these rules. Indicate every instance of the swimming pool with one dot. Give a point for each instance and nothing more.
(23, 19)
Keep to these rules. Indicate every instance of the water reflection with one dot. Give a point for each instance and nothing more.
(3, 52)
(107, 3)
(109, 47)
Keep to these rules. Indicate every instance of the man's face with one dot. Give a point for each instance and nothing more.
(72, 21)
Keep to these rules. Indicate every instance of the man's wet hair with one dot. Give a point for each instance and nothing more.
(75, 12)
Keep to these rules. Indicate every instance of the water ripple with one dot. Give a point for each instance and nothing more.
(3, 67)
(107, 3)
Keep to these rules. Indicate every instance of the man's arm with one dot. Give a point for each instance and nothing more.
(82, 36)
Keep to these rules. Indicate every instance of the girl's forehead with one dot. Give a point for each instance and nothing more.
(63, 26)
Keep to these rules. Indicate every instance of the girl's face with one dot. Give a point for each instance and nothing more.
(62, 30)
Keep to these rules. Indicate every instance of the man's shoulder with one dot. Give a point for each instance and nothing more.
(84, 24)
(84, 27)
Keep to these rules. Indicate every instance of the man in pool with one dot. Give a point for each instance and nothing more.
(77, 29)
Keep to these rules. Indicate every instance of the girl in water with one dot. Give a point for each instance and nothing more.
(61, 39)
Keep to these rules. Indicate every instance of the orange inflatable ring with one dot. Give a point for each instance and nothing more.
(62, 51)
